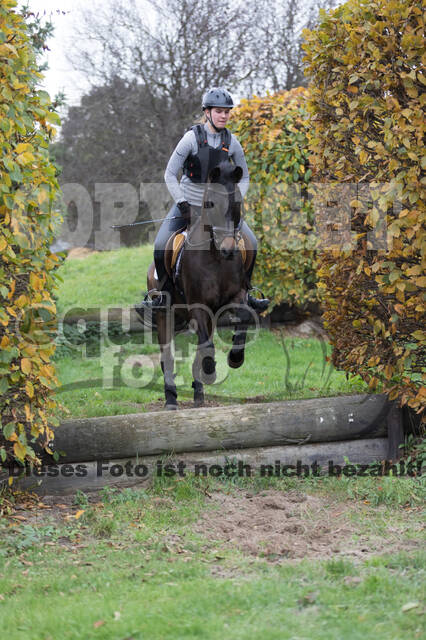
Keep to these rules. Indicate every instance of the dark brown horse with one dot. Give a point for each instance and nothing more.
(211, 278)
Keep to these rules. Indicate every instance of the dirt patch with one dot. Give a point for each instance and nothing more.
(293, 525)
(80, 252)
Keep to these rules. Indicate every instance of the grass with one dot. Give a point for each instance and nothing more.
(131, 567)
(104, 378)
(104, 279)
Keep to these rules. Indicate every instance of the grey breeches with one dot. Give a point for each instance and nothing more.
(173, 222)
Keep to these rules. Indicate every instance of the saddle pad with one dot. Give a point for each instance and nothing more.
(178, 241)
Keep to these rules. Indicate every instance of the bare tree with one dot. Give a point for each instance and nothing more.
(176, 50)
(278, 45)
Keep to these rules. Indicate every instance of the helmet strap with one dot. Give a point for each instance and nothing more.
(213, 125)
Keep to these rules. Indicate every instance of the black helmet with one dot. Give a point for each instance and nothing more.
(217, 97)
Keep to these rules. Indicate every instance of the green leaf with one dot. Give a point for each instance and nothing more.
(4, 384)
(8, 429)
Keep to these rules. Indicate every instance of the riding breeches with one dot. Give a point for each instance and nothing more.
(173, 222)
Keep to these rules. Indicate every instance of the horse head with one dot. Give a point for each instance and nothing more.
(222, 207)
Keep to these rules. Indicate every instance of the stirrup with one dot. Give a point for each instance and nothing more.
(153, 300)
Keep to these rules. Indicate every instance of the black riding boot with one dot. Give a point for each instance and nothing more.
(160, 300)
(258, 304)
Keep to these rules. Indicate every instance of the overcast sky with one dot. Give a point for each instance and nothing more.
(60, 75)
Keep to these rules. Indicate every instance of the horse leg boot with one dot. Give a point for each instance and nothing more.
(259, 304)
(236, 355)
(198, 393)
(167, 362)
(204, 366)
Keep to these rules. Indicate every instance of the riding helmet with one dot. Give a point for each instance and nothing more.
(217, 97)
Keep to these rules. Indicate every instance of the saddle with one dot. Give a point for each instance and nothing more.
(176, 241)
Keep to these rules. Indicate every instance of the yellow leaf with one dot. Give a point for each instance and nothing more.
(363, 157)
(22, 146)
(4, 342)
(79, 513)
(19, 450)
(21, 301)
(26, 365)
(29, 388)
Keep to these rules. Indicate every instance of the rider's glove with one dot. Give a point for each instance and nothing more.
(185, 209)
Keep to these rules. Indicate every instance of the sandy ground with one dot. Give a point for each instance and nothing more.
(273, 525)
(295, 525)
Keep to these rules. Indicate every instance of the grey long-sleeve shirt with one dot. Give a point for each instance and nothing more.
(188, 190)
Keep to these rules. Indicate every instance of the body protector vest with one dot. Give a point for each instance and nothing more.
(198, 166)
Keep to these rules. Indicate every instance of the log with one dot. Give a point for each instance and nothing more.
(89, 476)
(226, 427)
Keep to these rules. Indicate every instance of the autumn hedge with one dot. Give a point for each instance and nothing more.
(273, 132)
(366, 64)
(27, 190)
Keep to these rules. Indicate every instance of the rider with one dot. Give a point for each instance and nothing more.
(196, 157)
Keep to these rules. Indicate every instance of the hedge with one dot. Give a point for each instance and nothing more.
(27, 190)
(273, 132)
(366, 63)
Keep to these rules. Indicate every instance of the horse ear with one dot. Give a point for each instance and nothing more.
(237, 174)
(214, 174)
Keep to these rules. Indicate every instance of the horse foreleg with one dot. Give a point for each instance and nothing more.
(167, 362)
(197, 385)
(204, 366)
(236, 355)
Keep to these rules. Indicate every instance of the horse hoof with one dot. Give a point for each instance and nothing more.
(198, 402)
(235, 360)
(171, 407)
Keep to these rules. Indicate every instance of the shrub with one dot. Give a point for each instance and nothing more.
(27, 191)
(366, 65)
(273, 132)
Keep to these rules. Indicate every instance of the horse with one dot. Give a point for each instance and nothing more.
(211, 278)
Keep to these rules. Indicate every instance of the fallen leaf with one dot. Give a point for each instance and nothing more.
(117, 615)
(409, 606)
(308, 598)
(98, 624)
(79, 513)
(350, 580)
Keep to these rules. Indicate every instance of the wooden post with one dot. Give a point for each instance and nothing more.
(395, 432)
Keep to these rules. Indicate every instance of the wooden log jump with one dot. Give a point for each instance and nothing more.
(126, 450)
(128, 472)
(225, 427)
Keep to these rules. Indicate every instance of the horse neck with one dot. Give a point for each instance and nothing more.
(198, 234)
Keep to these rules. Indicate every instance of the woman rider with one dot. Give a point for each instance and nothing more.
(200, 149)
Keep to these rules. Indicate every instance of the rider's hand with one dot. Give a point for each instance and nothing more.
(185, 209)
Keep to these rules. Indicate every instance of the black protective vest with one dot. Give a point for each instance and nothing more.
(198, 166)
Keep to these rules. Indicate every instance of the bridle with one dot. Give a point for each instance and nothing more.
(218, 233)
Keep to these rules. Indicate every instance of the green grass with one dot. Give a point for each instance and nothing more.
(105, 279)
(131, 567)
(271, 372)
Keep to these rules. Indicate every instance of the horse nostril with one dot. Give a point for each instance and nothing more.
(228, 254)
